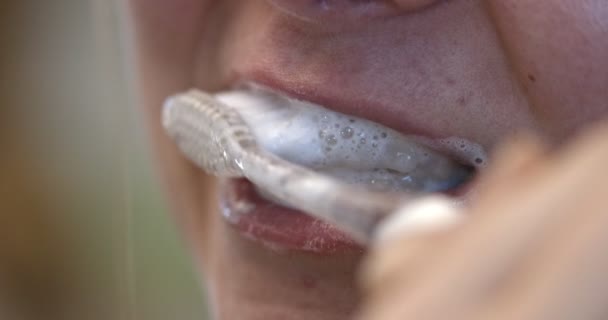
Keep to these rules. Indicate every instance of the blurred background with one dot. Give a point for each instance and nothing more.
(83, 228)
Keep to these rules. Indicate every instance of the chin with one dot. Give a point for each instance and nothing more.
(249, 280)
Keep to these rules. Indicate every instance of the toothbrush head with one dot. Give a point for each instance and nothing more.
(208, 132)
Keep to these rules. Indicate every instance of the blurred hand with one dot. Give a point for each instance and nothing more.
(532, 246)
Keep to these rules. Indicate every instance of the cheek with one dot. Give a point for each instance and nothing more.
(167, 28)
(167, 14)
(559, 51)
(167, 35)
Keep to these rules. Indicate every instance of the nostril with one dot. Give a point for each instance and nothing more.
(412, 5)
(344, 11)
(334, 11)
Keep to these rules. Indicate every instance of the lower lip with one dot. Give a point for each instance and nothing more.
(278, 227)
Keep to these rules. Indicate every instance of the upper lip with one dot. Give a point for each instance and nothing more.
(338, 101)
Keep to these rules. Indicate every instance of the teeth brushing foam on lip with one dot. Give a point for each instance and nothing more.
(353, 149)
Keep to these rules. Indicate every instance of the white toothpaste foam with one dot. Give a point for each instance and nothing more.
(356, 150)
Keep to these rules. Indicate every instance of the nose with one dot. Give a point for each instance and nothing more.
(336, 11)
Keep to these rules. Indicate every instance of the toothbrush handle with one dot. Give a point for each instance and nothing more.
(355, 210)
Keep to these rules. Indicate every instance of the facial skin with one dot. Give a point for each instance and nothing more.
(470, 68)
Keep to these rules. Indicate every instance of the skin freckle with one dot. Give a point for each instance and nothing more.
(462, 101)
(308, 282)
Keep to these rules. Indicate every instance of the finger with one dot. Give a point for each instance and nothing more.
(565, 278)
(387, 274)
(391, 270)
(459, 274)
(544, 202)
(516, 157)
(519, 153)
(401, 239)
(513, 163)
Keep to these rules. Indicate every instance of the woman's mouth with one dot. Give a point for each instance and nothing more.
(278, 227)
(281, 228)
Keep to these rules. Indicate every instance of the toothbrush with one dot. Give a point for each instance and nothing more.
(215, 137)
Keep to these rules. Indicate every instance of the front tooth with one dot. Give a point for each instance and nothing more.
(325, 140)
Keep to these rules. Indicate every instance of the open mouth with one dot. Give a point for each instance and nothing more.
(261, 218)
(276, 226)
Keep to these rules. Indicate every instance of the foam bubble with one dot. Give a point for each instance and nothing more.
(347, 133)
(467, 151)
